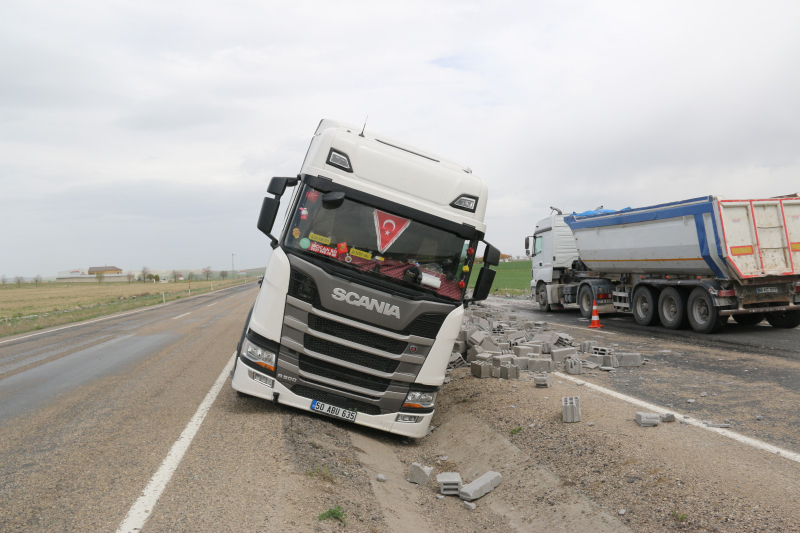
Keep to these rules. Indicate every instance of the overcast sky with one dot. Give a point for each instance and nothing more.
(145, 133)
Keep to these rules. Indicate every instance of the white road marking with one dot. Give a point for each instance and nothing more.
(179, 316)
(141, 510)
(579, 327)
(215, 303)
(755, 443)
(117, 316)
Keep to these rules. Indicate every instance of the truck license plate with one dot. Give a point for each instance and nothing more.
(762, 290)
(604, 301)
(332, 410)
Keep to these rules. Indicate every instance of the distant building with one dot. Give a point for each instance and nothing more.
(93, 271)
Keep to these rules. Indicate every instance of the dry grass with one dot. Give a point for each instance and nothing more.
(28, 307)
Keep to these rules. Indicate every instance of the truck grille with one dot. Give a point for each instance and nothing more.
(357, 357)
(427, 325)
(322, 396)
(303, 288)
(359, 336)
(343, 375)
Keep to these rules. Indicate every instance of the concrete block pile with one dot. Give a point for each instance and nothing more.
(495, 344)
(451, 484)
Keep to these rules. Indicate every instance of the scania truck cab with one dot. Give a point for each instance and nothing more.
(364, 292)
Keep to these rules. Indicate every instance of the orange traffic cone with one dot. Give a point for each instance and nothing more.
(595, 317)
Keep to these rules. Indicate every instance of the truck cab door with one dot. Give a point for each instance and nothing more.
(541, 258)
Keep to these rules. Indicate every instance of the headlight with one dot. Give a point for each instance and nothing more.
(419, 400)
(260, 356)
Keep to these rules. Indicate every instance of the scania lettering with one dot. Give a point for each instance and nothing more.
(364, 301)
(695, 263)
(365, 289)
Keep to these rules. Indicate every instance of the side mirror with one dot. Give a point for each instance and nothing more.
(491, 256)
(266, 219)
(527, 246)
(277, 186)
(484, 284)
(332, 200)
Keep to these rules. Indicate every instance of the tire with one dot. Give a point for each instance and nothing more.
(784, 319)
(541, 298)
(586, 301)
(645, 306)
(749, 320)
(704, 317)
(672, 308)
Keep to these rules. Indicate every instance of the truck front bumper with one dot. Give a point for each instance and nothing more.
(245, 381)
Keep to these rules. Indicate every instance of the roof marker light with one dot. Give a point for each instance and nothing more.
(466, 202)
(339, 160)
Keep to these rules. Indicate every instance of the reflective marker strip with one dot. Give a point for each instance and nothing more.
(796, 246)
(741, 250)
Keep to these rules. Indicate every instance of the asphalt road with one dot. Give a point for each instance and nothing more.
(88, 413)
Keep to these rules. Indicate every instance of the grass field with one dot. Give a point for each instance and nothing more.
(513, 278)
(28, 307)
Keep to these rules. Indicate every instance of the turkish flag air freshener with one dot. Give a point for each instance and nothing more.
(389, 227)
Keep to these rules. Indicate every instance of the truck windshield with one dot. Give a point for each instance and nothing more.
(395, 248)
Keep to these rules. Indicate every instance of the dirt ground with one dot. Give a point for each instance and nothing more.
(603, 474)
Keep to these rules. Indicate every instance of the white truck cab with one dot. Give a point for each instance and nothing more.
(364, 292)
(553, 252)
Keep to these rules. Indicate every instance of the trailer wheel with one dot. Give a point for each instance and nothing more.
(749, 320)
(703, 315)
(541, 297)
(645, 305)
(586, 301)
(672, 308)
(785, 319)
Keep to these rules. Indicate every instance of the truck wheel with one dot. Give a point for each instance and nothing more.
(541, 297)
(749, 319)
(672, 308)
(703, 315)
(645, 306)
(586, 300)
(785, 319)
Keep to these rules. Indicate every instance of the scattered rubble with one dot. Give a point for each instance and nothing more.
(571, 409)
(481, 486)
(419, 474)
(449, 483)
(381, 478)
(648, 419)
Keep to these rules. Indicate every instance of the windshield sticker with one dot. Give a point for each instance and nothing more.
(342, 247)
(312, 196)
(378, 258)
(348, 258)
(388, 227)
(305, 243)
(303, 213)
(296, 233)
(324, 250)
(319, 238)
(359, 253)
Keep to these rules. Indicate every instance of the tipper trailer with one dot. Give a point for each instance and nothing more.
(364, 292)
(695, 262)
